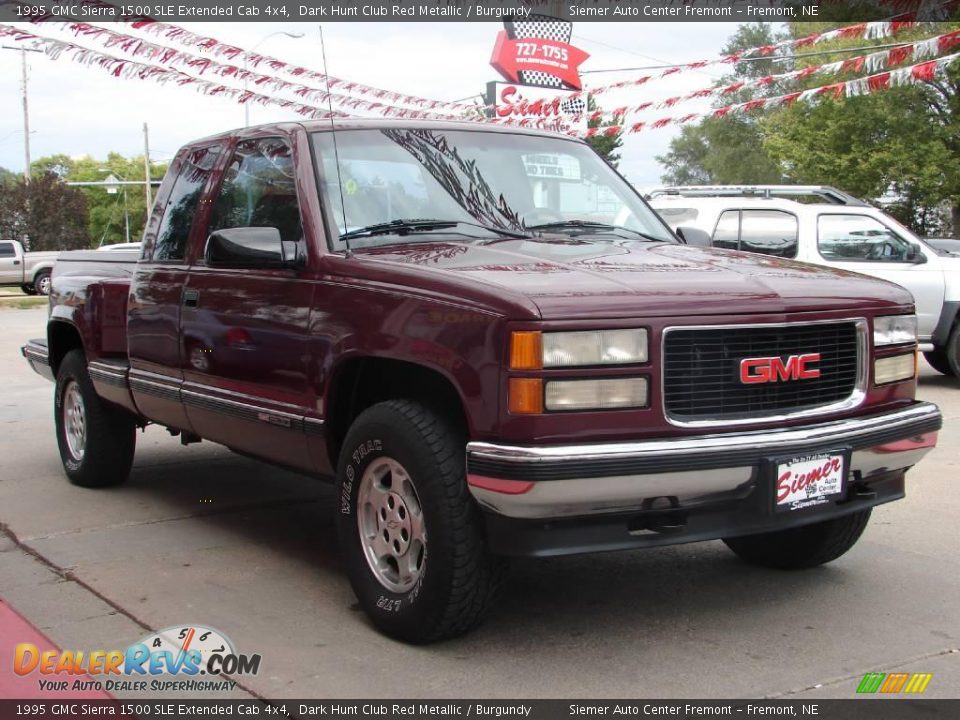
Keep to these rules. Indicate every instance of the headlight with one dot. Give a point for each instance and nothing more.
(894, 369)
(602, 394)
(535, 350)
(894, 330)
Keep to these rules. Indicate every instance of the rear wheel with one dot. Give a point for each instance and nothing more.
(42, 282)
(410, 533)
(802, 547)
(937, 359)
(96, 439)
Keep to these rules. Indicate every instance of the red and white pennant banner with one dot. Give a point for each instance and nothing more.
(235, 54)
(171, 57)
(884, 59)
(130, 69)
(914, 74)
(123, 68)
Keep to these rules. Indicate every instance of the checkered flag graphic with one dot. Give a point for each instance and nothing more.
(539, 26)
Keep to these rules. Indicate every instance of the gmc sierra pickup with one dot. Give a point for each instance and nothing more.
(493, 347)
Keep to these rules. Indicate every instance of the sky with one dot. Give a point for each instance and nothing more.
(79, 110)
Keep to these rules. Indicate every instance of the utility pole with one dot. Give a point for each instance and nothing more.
(146, 169)
(26, 118)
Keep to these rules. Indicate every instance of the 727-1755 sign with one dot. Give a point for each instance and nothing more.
(553, 57)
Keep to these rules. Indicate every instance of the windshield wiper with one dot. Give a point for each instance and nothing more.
(418, 225)
(590, 225)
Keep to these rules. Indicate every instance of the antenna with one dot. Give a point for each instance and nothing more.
(333, 134)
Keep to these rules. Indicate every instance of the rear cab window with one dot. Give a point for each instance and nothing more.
(173, 233)
(7, 250)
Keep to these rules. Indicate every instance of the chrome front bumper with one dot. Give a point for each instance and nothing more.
(583, 480)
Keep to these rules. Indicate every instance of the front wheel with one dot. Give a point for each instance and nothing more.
(96, 439)
(410, 534)
(802, 547)
(937, 359)
(41, 283)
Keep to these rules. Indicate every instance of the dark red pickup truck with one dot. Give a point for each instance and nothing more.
(493, 347)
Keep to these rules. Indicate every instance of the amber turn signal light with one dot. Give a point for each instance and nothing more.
(526, 350)
(525, 396)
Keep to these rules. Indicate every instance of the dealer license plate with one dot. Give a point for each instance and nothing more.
(808, 481)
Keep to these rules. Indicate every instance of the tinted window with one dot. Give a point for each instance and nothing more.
(727, 234)
(177, 220)
(6, 250)
(770, 232)
(259, 190)
(858, 238)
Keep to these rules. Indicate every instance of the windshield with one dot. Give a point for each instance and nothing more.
(497, 181)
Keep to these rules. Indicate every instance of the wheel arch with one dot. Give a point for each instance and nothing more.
(62, 337)
(362, 381)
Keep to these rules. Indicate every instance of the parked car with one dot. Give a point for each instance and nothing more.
(511, 374)
(30, 270)
(836, 230)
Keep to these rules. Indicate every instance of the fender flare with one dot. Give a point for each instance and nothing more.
(948, 317)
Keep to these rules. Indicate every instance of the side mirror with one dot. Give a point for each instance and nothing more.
(250, 247)
(915, 255)
(694, 236)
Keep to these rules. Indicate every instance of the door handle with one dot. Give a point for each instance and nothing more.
(16, 262)
(191, 297)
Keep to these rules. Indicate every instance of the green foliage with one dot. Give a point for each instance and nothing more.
(7, 176)
(605, 146)
(903, 142)
(108, 213)
(44, 214)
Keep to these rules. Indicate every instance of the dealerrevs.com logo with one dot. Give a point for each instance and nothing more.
(180, 658)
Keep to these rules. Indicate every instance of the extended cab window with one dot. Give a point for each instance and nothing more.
(182, 204)
(6, 250)
(259, 190)
(859, 238)
(768, 232)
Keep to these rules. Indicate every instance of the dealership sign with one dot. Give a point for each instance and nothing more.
(543, 108)
(533, 54)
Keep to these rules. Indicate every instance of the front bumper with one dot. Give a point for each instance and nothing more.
(577, 498)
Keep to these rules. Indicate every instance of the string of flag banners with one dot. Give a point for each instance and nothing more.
(871, 63)
(876, 30)
(123, 68)
(924, 72)
(171, 57)
(217, 49)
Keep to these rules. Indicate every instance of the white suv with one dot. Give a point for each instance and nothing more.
(836, 230)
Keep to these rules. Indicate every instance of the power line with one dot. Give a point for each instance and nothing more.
(764, 57)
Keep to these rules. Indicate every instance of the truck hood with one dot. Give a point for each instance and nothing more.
(577, 278)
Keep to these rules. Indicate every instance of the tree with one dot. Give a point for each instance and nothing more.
(903, 142)
(727, 151)
(107, 212)
(606, 146)
(6, 176)
(44, 214)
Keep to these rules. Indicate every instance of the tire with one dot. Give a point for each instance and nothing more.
(803, 547)
(96, 439)
(41, 282)
(28, 289)
(402, 468)
(952, 351)
(937, 359)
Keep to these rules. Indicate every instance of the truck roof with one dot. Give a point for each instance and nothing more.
(358, 123)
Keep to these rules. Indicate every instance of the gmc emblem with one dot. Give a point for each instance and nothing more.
(775, 369)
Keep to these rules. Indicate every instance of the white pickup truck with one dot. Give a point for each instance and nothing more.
(30, 270)
(826, 226)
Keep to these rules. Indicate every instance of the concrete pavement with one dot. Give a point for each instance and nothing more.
(200, 535)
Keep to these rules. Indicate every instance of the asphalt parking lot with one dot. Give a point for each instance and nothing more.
(200, 535)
